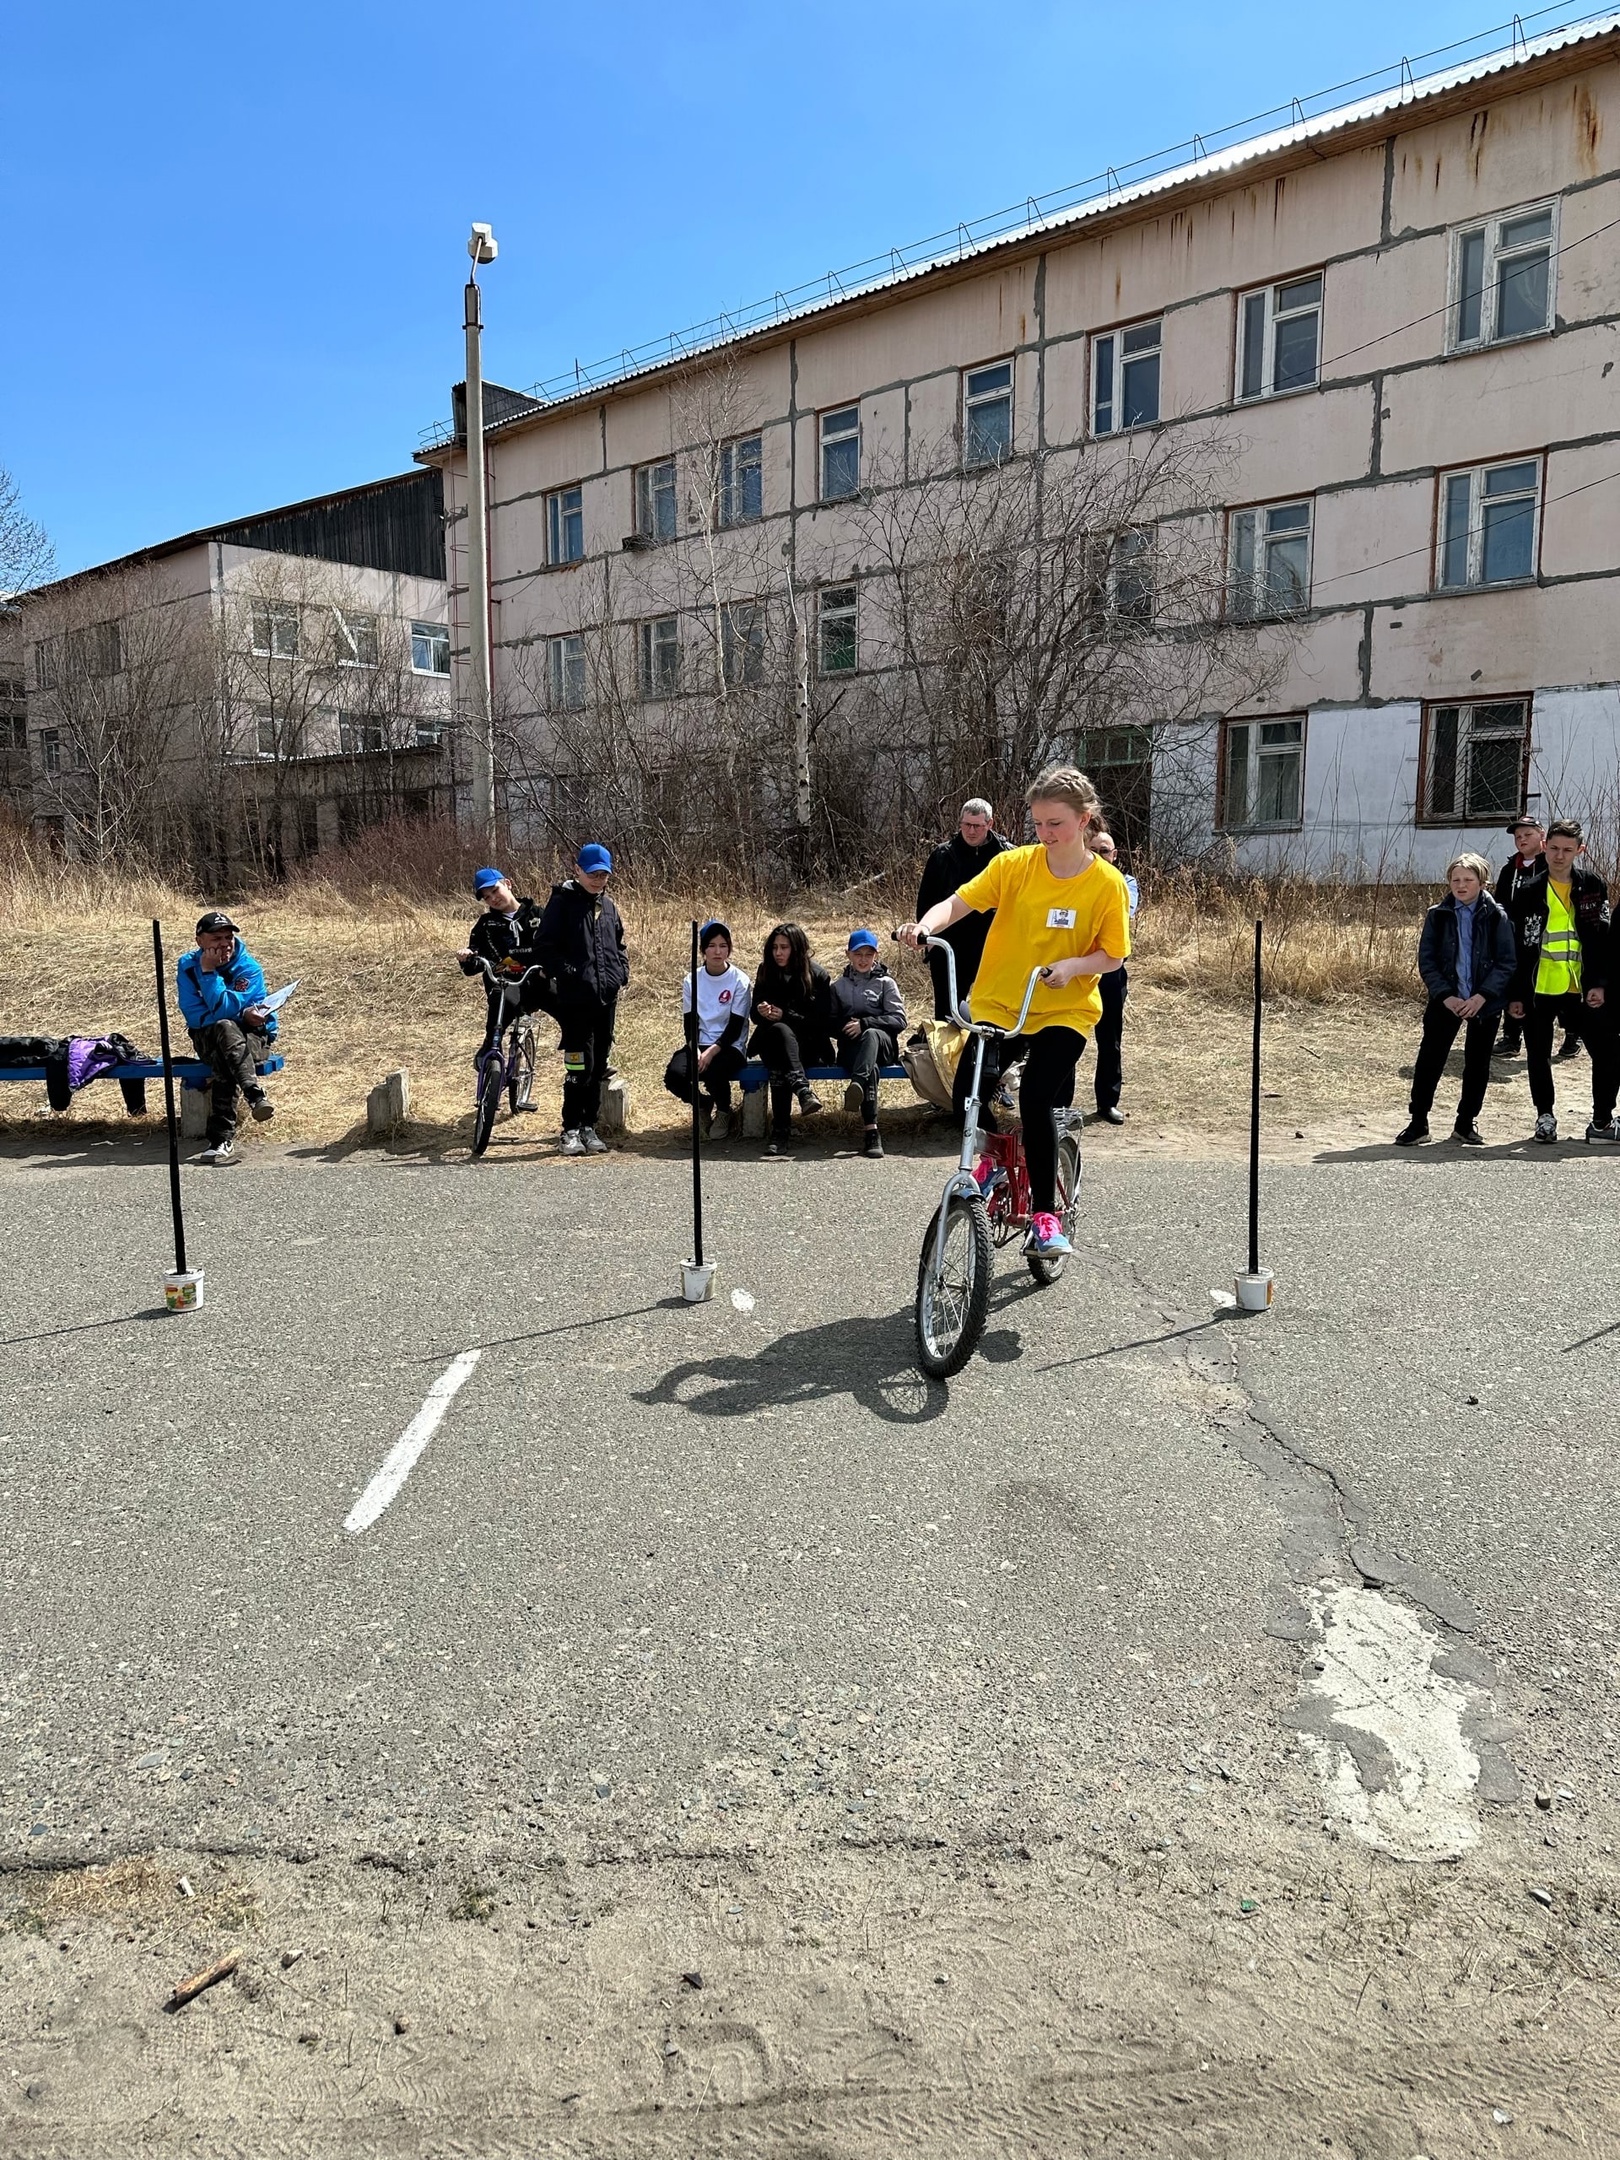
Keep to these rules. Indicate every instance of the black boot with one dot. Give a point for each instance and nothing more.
(809, 1101)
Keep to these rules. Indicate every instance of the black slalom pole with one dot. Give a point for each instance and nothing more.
(1254, 1111)
(697, 1281)
(182, 1291)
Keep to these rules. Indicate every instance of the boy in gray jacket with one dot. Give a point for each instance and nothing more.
(868, 1014)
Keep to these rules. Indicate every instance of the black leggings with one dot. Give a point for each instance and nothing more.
(1050, 1056)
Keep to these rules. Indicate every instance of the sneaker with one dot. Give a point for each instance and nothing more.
(854, 1096)
(573, 1142)
(1546, 1129)
(1046, 1238)
(1505, 1047)
(1608, 1134)
(1113, 1115)
(262, 1107)
(1468, 1136)
(778, 1144)
(592, 1140)
(1569, 1047)
(810, 1103)
(721, 1127)
(222, 1154)
(1413, 1135)
(873, 1143)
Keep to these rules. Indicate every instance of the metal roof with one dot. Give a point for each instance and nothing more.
(1107, 196)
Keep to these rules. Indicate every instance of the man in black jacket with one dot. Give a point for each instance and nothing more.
(948, 868)
(1467, 957)
(504, 935)
(580, 944)
(1561, 926)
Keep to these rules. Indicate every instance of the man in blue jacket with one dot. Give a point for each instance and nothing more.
(221, 988)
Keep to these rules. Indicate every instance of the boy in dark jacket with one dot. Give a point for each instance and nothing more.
(221, 990)
(1527, 865)
(1561, 925)
(948, 868)
(868, 1014)
(1467, 957)
(504, 935)
(580, 944)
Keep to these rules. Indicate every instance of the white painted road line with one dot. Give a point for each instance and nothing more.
(401, 1458)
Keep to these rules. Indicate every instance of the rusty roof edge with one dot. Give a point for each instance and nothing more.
(1553, 54)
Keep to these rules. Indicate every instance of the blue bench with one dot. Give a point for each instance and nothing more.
(190, 1072)
(755, 1077)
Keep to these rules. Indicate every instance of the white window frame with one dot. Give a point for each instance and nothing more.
(436, 636)
(50, 752)
(838, 606)
(47, 662)
(1131, 594)
(1475, 477)
(1250, 595)
(742, 635)
(354, 628)
(737, 459)
(982, 391)
(565, 521)
(430, 734)
(1464, 812)
(565, 671)
(1256, 750)
(659, 657)
(832, 433)
(1110, 344)
(1273, 315)
(269, 621)
(1489, 231)
(353, 729)
(651, 490)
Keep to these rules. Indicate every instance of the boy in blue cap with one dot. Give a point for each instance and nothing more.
(504, 935)
(868, 1014)
(221, 990)
(581, 947)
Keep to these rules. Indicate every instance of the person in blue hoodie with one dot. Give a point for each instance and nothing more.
(222, 992)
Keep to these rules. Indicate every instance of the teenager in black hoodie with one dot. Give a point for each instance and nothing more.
(581, 947)
(504, 935)
(792, 1026)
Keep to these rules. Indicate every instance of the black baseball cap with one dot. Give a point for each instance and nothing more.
(216, 919)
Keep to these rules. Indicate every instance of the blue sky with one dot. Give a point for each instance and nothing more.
(236, 235)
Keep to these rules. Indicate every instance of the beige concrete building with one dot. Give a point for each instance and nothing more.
(241, 695)
(1402, 318)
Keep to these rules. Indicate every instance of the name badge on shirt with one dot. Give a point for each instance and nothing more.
(1060, 918)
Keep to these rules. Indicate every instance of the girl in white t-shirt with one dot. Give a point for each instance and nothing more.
(724, 994)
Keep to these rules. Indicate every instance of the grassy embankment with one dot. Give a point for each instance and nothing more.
(372, 950)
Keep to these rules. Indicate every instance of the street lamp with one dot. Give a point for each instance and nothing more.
(482, 248)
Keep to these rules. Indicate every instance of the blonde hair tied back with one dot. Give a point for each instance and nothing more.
(1066, 784)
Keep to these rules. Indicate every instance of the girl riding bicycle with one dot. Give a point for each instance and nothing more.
(1055, 903)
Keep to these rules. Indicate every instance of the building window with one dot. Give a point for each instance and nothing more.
(655, 500)
(743, 633)
(430, 648)
(1279, 338)
(660, 657)
(1262, 775)
(1488, 525)
(356, 639)
(275, 630)
(1474, 761)
(565, 525)
(50, 750)
(987, 414)
(13, 731)
(839, 639)
(47, 663)
(840, 454)
(1502, 278)
(1130, 576)
(264, 732)
(1270, 561)
(566, 661)
(356, 738)
(742, 481)
(429, 734)
(1125, 379)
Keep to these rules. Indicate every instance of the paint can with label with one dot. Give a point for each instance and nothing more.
(697, 1281)
(1254, 1291)
(183, 1289)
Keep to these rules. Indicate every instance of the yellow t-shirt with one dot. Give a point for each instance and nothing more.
(1558, 974)
(1040, 918)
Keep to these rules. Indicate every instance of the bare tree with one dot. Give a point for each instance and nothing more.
(27, 559)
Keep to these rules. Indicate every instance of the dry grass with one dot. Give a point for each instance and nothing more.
(135, 1893)
(380, 990)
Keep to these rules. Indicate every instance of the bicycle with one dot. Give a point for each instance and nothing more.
(507, 1066)
(953, 1272)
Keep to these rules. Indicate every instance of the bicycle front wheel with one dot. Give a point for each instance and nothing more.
(1047, 1270)
(491, 1085)
(953, 1291)
(520, 1073)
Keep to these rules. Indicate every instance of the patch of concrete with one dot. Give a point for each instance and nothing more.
(1386, 1728)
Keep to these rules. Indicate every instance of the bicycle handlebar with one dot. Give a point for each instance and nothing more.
(925, 938)
(506, 982)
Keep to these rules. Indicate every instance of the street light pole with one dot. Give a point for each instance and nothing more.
(481, 247)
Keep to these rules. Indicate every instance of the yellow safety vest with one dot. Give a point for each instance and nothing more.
(1559, 972)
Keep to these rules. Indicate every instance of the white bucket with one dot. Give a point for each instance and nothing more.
(697, 1281)
(183, 1290)
(1254, 1291)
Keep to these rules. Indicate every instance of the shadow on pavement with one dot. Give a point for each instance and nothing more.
(563, 1327)
(874, 1361)
(83, 1327)
(1445, 1149)
(1142, 1342)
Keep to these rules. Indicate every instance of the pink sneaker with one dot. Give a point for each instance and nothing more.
(983, 1171)
(1046, 1237)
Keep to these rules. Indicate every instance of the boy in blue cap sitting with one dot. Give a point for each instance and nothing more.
(504, 935)
(868, 1014)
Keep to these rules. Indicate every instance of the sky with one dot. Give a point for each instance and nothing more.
(236, 236)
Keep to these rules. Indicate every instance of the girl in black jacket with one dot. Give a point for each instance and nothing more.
(792, 1025)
